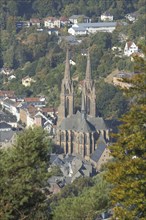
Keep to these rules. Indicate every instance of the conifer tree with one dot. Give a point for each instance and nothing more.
(23, 171)
(127, 171)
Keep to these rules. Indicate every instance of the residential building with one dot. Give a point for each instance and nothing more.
(106, 17)
(64, 21)
(130, 48)
(75, 19)
(31, 116)
(11, 106)
(7, 135)
(52, 22)
(38, 102)
(78, 133)
(35, 22)
(89, 28)
(6, 71)
(22, 24)
(9, 119)
(72, 166)
(53, 31)
(7, 94)
(27, 81)
(132, 17)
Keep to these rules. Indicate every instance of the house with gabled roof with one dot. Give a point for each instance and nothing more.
(35, 22)
(132, 17)
(106, 16)
(52, 22)
(7, 135)
(7, 94)
(90, 28)
(75, 19)
(64, 21)
(27, 81)
(130, 48)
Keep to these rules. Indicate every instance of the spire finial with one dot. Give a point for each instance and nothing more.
(88, 68)
(67, 66)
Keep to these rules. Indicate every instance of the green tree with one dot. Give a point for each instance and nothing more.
(127, 172)
(23, 170)
(87, 206)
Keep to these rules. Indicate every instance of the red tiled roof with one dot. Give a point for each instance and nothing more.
(129, 44)
(8, 93)
(32, 99)
(63, 18)
(45, 110)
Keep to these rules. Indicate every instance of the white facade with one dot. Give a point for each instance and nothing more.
(76, 31)
(130, 48)
(105, 17)
(52, 23)
(89, 28)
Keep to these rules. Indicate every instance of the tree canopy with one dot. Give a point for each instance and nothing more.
(127, 172)
(23, 171)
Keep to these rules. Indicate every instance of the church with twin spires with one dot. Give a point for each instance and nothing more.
(81, 132)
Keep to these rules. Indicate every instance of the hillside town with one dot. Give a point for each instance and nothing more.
(72, 110)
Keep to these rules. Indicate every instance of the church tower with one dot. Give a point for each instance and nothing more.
(89, 90)
(66, 107)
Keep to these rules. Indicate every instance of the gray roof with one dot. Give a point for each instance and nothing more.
(97, 24)
(98, 122)
(79, 28)
(4, 125)
(77, 123)
(101, 146)
(6, 136)
(7, 117)
(77, 16)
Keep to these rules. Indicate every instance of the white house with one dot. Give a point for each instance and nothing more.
(88, 28)
(130, 48)
(77, 31)
(52, 22)
(132, 17)
(26, 81)
(106, 17)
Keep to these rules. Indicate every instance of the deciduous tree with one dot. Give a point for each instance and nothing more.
(127, 172)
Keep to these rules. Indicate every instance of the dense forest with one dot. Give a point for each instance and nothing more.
(41, 56)
(43, 8)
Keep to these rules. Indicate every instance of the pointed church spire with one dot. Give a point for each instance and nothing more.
(67, 66)
(88, 68)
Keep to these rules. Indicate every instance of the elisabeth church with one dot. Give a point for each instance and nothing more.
(80, 132)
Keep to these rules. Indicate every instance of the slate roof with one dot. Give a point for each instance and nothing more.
(97, 122)
(97, 24)
(7, 118)
(6, 135)
(77, 16)
(77, 123)
(99, 150)
(4, 125)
